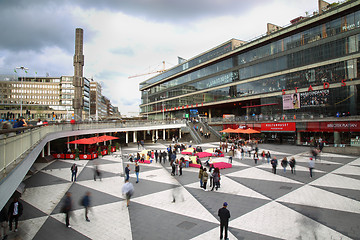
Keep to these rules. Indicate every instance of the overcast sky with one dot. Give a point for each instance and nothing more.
(128, 37)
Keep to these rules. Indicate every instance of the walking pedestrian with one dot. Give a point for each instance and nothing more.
(224, 215)
(205, 178)
(128, 191)
(85, 202)
(177, 167)
(156, 156)
(242, 153)
(160, 156)
(137, 170)
(181, 165)
(256, 157)
(127, 172)
(97, 173)
(15, 211)
(3, 223)
(274, 164)
(216, 179)
(211, 171)
(292, 163)
(268, 156)
(66, 208)
(311, 166)
(74, 170)
(284, 163)
(263, 155)
(201, 170)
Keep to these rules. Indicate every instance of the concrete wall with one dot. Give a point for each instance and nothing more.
(343, 150)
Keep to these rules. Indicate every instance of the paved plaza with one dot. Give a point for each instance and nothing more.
(262, 205)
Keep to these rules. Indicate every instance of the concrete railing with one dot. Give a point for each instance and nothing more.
(14, 143)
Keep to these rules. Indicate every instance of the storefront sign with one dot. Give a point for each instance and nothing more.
(352, 126)
(278, 127)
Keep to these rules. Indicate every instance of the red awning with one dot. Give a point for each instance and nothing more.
(93, 140)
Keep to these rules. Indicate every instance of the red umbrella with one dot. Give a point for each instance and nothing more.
(228, 130)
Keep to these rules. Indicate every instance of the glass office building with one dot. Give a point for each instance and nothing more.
(307, 70)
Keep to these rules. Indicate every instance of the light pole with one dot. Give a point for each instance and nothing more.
(21, 99)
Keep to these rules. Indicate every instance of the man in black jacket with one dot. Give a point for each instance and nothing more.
(15, 211)
(224, 215)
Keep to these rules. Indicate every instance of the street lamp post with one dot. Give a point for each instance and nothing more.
(21, 99)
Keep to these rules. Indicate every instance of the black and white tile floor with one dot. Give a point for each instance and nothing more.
(262, 205)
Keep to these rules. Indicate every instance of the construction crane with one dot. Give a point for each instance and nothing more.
(143, 74)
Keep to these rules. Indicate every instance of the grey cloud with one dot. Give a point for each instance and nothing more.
(33, 26)
(184, 11)
(174, 10)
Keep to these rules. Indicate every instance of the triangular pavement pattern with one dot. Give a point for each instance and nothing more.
(337, 181)
(355, 162)
(43, 179)
(50, 196)
(312, 196)
(185, 204)
(348, 170)
(104, 221)
(111, 186)
(271, 189)
(116, 168)
(255, 173)
(162, 225)
(273, 219)
(306, 160)
(55, 229)
(88, 174)
(343, 222)
(212, 233)
(158, 175)
(63, 173)
(29, 228)
(239, 205)
(230, 186)
(77, 193)
(288, 169)
(31, 211)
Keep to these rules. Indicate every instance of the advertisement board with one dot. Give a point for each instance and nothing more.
(278, 127)
(314, 98)
(291, 101)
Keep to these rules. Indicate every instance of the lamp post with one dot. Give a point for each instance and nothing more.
(21, 98)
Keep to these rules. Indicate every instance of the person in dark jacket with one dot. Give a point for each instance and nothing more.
(74, 170)
(66, 208)
(127, 172)
(224, 215)
(15, 211)
(86, 204)
(137, 170)
(3, 222)
(292, 164)
(274, 164)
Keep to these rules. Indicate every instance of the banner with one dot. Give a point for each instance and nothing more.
(291, 101)
(314, 98)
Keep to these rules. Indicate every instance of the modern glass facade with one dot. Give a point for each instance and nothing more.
(321, 52)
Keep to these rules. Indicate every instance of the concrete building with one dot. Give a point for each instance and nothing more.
(47, 98)
(305, 71)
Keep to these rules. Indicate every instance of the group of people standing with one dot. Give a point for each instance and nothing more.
(213, 175)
